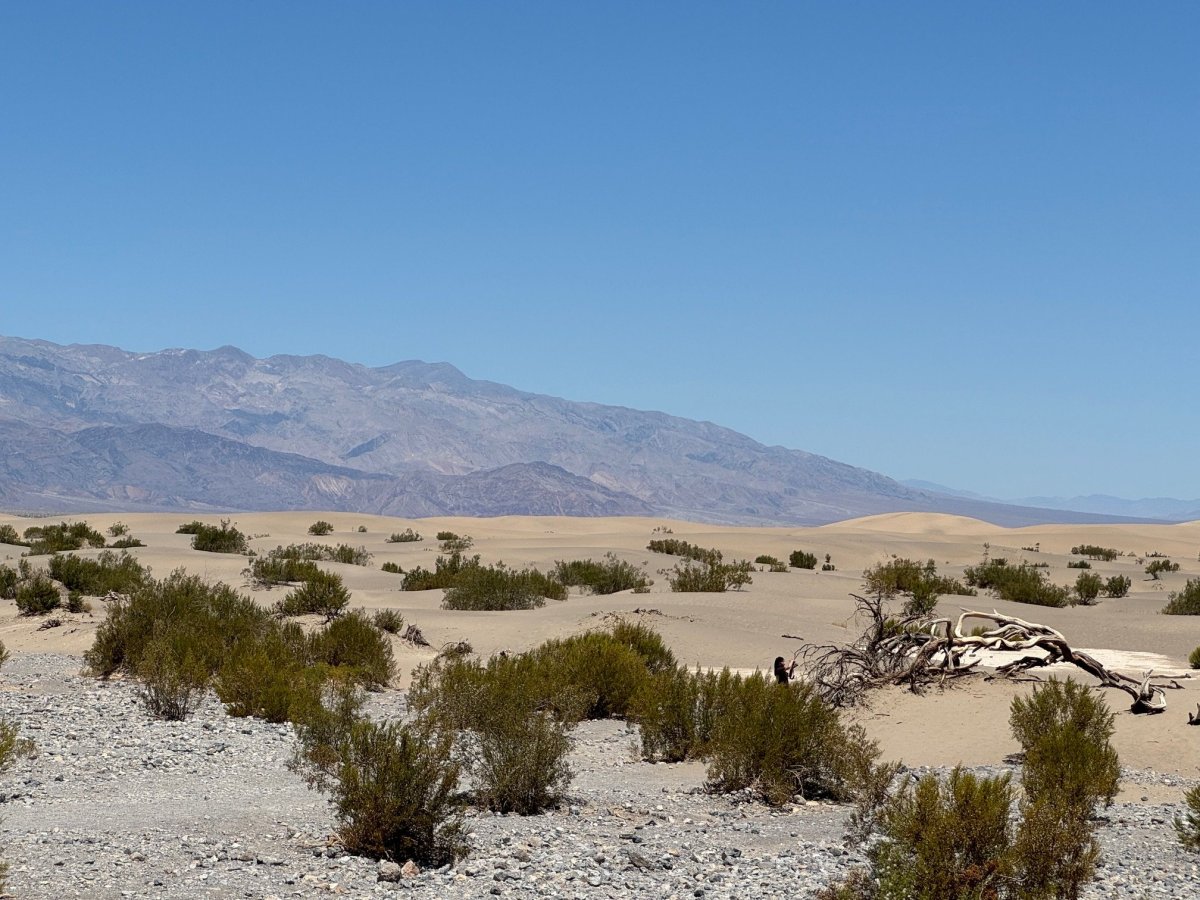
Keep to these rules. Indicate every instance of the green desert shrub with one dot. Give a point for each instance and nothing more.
(828, 565)
(772, 563)
(607, 576)
(353, 643)
(8, 535)
(799, 559)
(320, 527)
(1108, 554)
(37, 595)
(265, 676)
(223, 538)
(645, 642)
(118, 529)
(511, 724)
(407, 536)
(1087, 588)
(602, 672)
(777, 740)
(43, 539)
(345, 553)
(1019, 584)
(1118, 586)
(270, 570)
(1185, 602)
(126, 543)
(1156, 567)
(709, 576)
(173, 673)
(393, 786)
(454, 543)
(342, 553)
(676, 547)
(918, 582)
(393, 568)
(109, 571)
(388, 620)
(1194, 658)
(445, 573)
(950, 841)
(76, 603)
(676, 711)
(1079, 564)
(213, 615)
(498, 587)
(8, 582)
(192, 527)
(322, 593)
(1187, 826)
(362, 529)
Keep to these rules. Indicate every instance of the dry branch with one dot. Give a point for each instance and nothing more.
(919, 651)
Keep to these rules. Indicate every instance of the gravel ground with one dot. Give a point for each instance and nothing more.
(116, 804)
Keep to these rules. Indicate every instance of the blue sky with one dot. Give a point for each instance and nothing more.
(953, 241)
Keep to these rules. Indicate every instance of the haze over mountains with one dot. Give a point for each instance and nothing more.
(90, 426)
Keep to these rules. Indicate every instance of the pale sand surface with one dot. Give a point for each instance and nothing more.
(967, 723)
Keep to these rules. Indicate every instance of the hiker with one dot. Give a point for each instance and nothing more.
(783, 672)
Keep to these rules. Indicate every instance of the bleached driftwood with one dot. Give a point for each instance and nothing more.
(919, 651)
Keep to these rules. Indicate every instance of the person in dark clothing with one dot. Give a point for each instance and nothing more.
(783, 672)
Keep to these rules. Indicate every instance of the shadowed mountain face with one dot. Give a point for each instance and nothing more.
(94, 425)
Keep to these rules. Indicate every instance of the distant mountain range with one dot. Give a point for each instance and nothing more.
(1164, 509)
(93, 427)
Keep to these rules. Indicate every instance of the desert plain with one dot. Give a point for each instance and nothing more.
(132, 834)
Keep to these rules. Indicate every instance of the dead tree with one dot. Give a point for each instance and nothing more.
(919, 651)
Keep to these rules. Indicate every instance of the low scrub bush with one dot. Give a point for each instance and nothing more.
(1194, 658)
(1185, 602)
(407, 536)
(265, 676)
(779, 741)
(828, 565)
(322, 593)
(445, 573)
(223, 538)
(918, 582)
(602, 672)
(801, 560)
(1018, 584)
(270, 570)
(393, 786)
(109, 571)
(192, 527)
(607, 576)
(126, 543)
(455, 543)
(676, 711)
(1079, 564)
(498, 587)
(676, 547)
(43, 539)
(8, 582)
(320, 527)
(8, 535)
(710, 576)
(118, 529)
(37, 595)
(1118, 586)
(388, 620)
(1187, 826)
(1157, 566)
(174, 675)
(511, 723)
(1108, 554)
(354, 644)
(393, 568)
(342, 553)
(645, 642)
(1087, 588)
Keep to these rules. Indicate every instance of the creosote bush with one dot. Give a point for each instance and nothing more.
(43, 539)
(676, 547)
(1185, 602)
(1108, 554)
(320, 527)
(393, 568)
(322, 593)
(270, 570)
(388, 620)
(1079, 564)
(173, 675)
(37, 595)
(8, 535)
(223, 538)
(478, 587)
(1187, 826)
(799, 559)
(407, 536)
(1118, 586)
(1023, 583)
(8, 582)
(918, 582)
(1087, 588)
(454, 543)
(607, 576)
(710, 575)
(1157, 566)
(109, 571)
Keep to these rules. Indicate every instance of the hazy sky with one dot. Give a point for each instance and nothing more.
(953, 241)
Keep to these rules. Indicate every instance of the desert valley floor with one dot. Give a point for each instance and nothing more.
(115, 803)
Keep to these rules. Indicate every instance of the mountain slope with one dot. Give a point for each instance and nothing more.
(444, 439)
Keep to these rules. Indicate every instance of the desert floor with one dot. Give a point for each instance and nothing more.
(741, 629)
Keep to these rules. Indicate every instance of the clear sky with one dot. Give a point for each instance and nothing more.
(952, 241)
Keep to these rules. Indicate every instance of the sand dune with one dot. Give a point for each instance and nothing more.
(740, 629)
